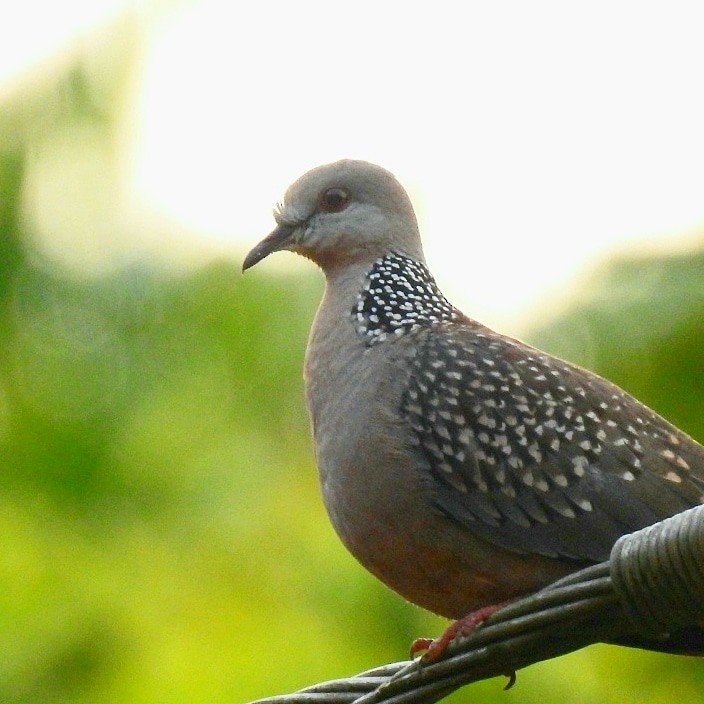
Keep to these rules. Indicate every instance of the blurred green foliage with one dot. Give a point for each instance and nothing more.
(162, 535)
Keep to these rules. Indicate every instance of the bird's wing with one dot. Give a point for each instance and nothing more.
(537, 455)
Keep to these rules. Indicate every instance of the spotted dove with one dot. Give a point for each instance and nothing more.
(462, 467)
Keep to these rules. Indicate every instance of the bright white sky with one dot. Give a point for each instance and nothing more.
(532, 135)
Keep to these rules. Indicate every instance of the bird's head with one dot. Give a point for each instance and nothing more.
(340, 213)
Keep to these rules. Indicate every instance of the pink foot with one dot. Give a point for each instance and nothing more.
(435, 649)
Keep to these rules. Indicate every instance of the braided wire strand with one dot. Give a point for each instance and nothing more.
(658, 573)
(653, 583)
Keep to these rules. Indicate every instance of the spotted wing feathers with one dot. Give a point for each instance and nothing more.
(535, 454)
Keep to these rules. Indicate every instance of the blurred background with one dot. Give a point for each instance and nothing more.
(163, 539)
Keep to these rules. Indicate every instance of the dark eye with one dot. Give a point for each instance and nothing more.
(333, 200)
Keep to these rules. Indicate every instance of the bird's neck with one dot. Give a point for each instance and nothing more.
(370, 303)
(365, 305)
(399, 295)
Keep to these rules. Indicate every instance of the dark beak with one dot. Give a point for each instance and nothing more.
(276, 241)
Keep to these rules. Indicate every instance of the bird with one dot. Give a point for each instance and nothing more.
(462, 467)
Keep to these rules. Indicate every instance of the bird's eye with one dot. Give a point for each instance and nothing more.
(333, 200)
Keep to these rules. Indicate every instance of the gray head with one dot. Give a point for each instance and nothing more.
(340, 213)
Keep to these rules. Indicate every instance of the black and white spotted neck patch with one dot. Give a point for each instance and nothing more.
(399, 296)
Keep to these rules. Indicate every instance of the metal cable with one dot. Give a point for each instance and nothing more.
(653, 583)
(658, 573)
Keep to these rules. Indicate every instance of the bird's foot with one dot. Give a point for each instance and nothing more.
(435, 648)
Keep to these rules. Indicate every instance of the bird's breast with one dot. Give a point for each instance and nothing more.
(379, 498)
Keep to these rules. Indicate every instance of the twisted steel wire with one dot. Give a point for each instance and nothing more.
(652, 584)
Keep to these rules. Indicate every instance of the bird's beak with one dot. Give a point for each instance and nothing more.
(279, 239)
